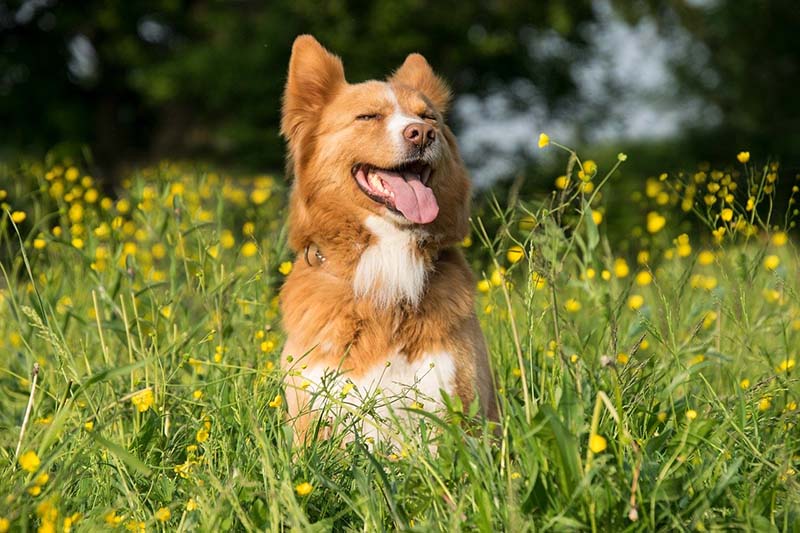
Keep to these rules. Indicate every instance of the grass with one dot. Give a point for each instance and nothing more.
(646, 383)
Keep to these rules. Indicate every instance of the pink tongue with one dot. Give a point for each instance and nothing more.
(411, 197)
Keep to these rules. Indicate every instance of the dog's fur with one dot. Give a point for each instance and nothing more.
(388, 303)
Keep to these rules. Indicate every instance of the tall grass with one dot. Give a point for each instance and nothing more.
(647, 383)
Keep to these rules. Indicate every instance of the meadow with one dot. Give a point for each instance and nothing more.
(646, 382)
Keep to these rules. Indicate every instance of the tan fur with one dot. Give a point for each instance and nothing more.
(322, 316)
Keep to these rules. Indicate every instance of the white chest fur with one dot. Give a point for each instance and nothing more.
(390, 270)
(388, 388)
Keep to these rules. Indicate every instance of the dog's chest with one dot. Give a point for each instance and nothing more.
(391, 269)
(395, 380)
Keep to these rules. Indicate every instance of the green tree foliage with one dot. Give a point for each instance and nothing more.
(203, 78)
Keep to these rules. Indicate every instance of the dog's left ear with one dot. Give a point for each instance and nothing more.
(418, 74)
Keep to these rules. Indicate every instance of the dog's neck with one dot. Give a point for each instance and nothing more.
(394, 267)
(385, 263)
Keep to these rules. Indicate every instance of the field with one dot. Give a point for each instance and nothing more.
(646, 382)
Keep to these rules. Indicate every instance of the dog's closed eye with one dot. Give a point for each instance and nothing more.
(369, 116)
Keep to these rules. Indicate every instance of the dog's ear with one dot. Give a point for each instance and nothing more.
(416, 73)
(314, 77)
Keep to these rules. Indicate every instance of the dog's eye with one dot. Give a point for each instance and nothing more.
(369, 116)
(428, 116)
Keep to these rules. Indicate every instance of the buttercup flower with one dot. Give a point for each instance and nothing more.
(304, 489)
(544, 140)
(597, 443)
(743, 157)
(29, 461)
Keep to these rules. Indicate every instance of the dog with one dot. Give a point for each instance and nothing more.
(380, 300)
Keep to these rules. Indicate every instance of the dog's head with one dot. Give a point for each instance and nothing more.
(374, 148)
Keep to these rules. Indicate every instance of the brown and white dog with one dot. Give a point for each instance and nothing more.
(380, 299)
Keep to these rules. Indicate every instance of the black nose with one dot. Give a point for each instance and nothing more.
(420, 134)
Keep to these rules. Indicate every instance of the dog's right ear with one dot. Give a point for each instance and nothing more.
(314, 77)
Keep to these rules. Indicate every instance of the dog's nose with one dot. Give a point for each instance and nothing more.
(420, 134)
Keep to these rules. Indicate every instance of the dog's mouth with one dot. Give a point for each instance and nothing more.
(403, 189)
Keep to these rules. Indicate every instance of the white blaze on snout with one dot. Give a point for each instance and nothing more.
(397, 124)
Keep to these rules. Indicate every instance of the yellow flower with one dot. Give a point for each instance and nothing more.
(771, 295)
(267, 346)
(705, 257)
(249, 249)
(544, 140)
(622, 157)
(88, 425)
(727, 214)
(786, 365)
(605, 274)
(655, 222)
(745, 383)
(35, 490)
(349, 386)
(75, 213)
(683, 247)
(621, 269)
(112, 518)
(644, 278)
(71, 174)
(259, 196)
(143, 400)
(636, 301)
(39, 243)
(29, 461)
(597, 216)
(484, 285)
(764, 403)
(285, 268)
(697, 359)
(277, 402)
(623, 358)
(304, 489)
(643, 257)
(589, 167)
(572, 305)
(42, 479)
(709, 319)
(467, 242)
(159, 251)
(780, 238)
(227, 240)
(537, 281)
(562, 182)
(163, 514)
(771, 262)
(691, 414)
(18, 217)
(191, 505)
(515, 253)
(5, 524)
(497, 277)
(202, 436)
(597, 443)
(743, 157)
(77, 242)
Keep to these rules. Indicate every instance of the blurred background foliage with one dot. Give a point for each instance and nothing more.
(124, 82)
